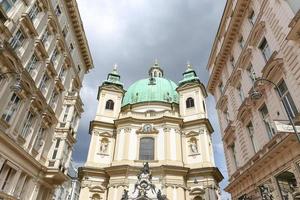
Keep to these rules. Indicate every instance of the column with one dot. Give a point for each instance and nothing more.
(35, 190)
(167, 145)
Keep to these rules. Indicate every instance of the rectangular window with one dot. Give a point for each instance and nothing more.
(66, 113)
(31, 65)
(56, 148)
(27, 125)
(62, 74)
(251, 17)
(265, 49)
(39, 139)
(267, 121)
(18, 40)
(250, 130)
(7, 4)
(71, 47)
(44, 83)
(287, 99)
(8, 179)
(45, 36)
(65, 31)
(241, 42)
(54, 55)
(232, 62)
(53, 98)
(233, 151)
(221, 87)
(241, 93)
(11, 107)
(57, 11)
(146, 149)
(34, 11)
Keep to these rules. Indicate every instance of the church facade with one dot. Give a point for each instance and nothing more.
(157, 122)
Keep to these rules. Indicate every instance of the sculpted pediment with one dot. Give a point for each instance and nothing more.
(197, 191)
(98, 189)
(103, 134)
(192, 133)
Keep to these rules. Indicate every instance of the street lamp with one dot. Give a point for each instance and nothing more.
(17, 87)
(255, 94)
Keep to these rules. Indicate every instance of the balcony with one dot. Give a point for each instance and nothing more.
(56, 173)
(229, 131)
(294, 33)
(244, 111)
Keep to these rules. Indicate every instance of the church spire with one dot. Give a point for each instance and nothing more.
(155, 70)
(114, 77)
(189, 75)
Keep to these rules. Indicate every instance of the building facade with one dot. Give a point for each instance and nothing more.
(70, 189)
(154, 121)
(44, 56)
(258, 39)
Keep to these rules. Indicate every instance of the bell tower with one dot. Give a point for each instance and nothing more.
(192, 96)
(110, 95)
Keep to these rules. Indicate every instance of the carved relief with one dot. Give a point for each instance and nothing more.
(147, 129)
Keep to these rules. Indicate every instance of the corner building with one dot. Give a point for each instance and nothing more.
(44, 56)
(258, 39)
(154, 121)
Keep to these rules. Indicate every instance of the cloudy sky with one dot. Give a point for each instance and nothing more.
(132, 34)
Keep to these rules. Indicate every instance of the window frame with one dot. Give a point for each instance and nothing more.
(190, 102)
(109, 104)
(152, 154)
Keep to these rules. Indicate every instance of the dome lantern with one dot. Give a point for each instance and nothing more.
(155, 70)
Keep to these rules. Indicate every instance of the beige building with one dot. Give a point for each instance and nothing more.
(154, 121)
(258, 39)
(44, 56)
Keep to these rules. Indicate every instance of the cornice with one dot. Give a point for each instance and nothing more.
(160, 120)
(198, 122)
(75, 19)
(220, 59)
(95, 123)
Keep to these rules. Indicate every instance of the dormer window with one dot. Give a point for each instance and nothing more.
(109, 105)
(190, 102)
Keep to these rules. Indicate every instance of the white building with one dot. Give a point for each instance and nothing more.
(154, 121)
(44, 56)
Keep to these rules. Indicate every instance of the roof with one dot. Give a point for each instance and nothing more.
(155, 89)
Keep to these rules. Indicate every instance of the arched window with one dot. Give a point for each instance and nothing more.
(190, 102)
(109, 105)
(197, 198)
(96, 197)
(146, 148)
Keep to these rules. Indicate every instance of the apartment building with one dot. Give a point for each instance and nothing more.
(44, 56)
(254, 68)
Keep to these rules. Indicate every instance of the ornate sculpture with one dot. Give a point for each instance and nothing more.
(193, 146)
(265, 193)
(144, 185)
(125, 195)
(103, 146)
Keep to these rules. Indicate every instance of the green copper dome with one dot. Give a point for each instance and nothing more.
(155, 89)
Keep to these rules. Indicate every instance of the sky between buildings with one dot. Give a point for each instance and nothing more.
(132, 34)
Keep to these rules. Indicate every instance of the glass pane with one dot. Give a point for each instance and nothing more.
(147, 149)
(287, 184)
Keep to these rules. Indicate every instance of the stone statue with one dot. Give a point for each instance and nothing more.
(103, 146)
(125, 195)
(193, 146)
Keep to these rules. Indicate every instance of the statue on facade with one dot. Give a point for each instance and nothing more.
(265, 193)
(193, 146)
(143, 186)
(125, 195)
(103, 146)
